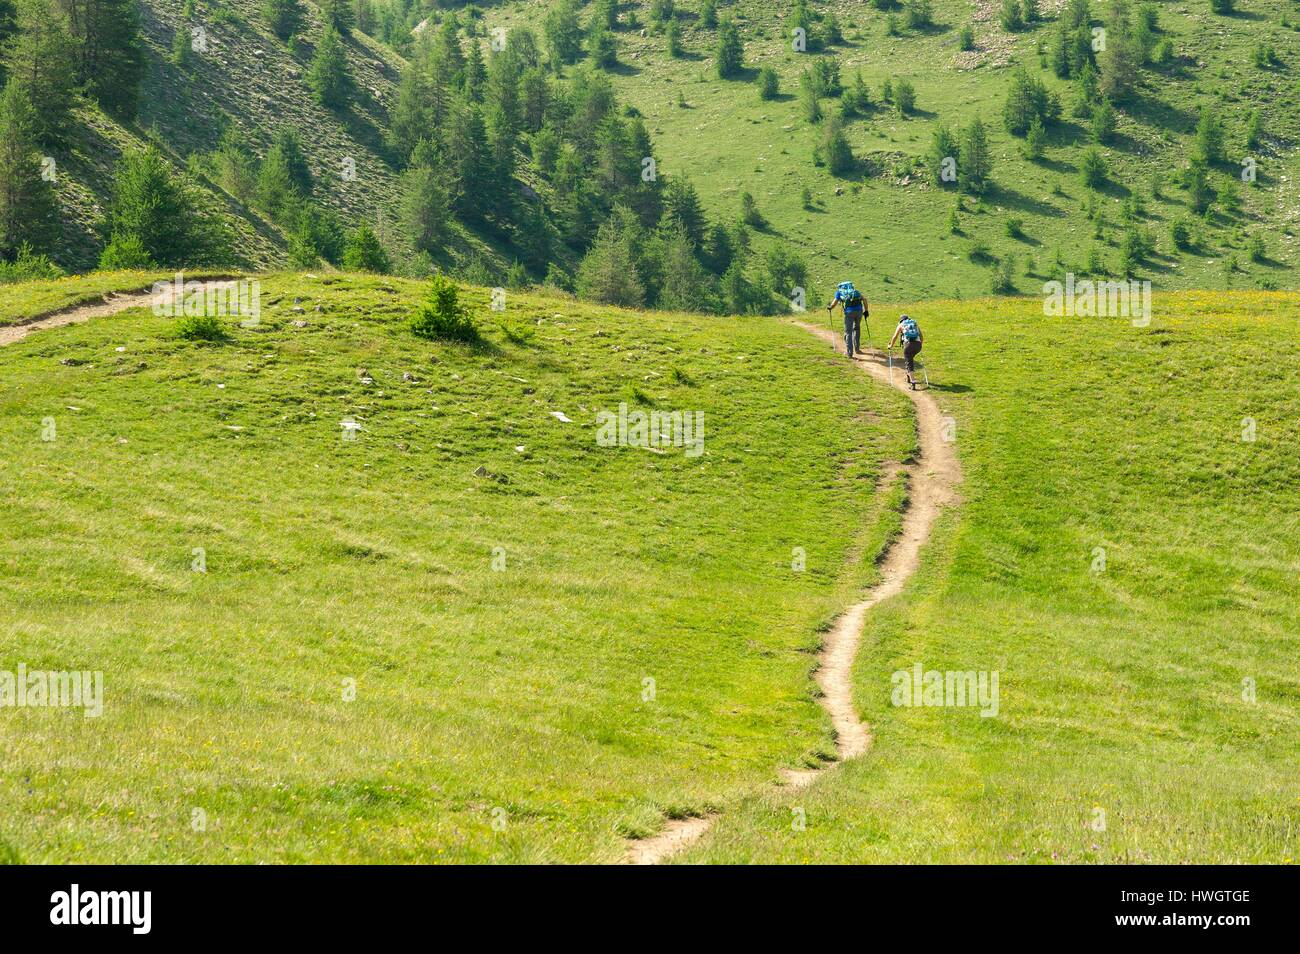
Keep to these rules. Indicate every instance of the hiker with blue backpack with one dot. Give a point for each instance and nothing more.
(910, 332)
(855, 309)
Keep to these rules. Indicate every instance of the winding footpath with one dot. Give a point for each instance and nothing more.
(932, 480)
(103, 308)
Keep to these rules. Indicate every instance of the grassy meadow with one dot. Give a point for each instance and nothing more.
(1125, 558)
(429, 642)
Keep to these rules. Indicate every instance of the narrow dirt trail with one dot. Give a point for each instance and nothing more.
(104, 308)
(932, 480)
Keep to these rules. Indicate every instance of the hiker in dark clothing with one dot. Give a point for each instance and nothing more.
(855, 309)
(910, 332)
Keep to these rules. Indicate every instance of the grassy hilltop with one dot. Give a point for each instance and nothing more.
(497, 588)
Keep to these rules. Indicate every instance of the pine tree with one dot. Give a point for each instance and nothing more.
(718, 250)
(533, 237)
(1092, 168)
(469, 161)
(786, 270)
(363, 253)
(1036, 140)
(563, 34)
(608, 273)
(835, 148)
(1121, 58)
(499, 187)
(365, 17)
(1022, 106)
(285, 17)
(111, 61)
(236, 169)
(1209, 136)
(730, 58)
(283, 175)
(410, 118)
(152, 206)
(605, 14)
(27, 203)
(426, 208)
(329, 77)
(602, 46)
(536, 97)
(501, 94)
(1197, 181)
(447, 61)
(975, 164)
(682, 204)
(338, 14)
(614, 166)
(42, 60)
(8, 14)
(685, 283)
(1102, 125)
(738, 294)
(942, 155)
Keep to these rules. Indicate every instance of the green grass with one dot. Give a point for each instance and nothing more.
(372, 560)
(518, 693)
(1120, 690)
(889, 230)
(22, 302)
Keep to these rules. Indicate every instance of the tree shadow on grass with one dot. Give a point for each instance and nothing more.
(1001, 195)
(1056, 165)
(1160, 115)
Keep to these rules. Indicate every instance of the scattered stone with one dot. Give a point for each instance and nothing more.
(561, 417)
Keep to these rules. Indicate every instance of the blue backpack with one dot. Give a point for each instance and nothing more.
(910, 331)
(850, 297)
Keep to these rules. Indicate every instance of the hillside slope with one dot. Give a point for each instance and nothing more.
(245, 79)
(887, 224)
(434, 617)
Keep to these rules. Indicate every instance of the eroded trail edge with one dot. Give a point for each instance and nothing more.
(932, 479)
(111, 304)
